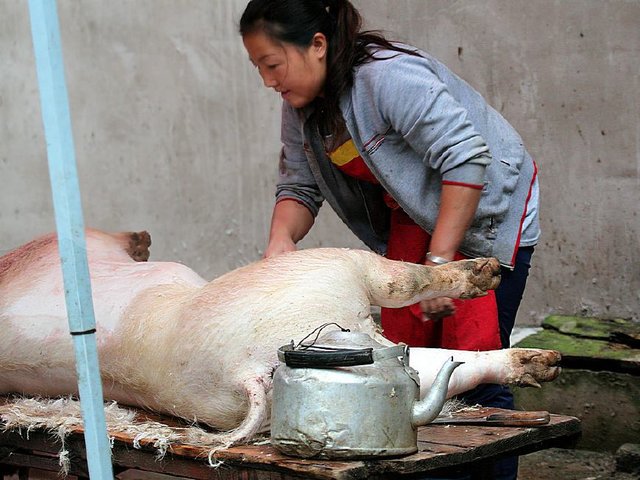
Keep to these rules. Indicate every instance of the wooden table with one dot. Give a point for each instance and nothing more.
(440, 447)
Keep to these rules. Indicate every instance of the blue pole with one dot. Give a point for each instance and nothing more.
(69, 225)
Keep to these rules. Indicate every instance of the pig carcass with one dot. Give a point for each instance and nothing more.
(171, 342)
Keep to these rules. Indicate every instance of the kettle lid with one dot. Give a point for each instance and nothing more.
(348, 339)
(339, 349)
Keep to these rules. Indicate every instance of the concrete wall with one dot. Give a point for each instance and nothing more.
(175, 134)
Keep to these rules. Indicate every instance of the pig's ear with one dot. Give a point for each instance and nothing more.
(138, 245)
(115, 246)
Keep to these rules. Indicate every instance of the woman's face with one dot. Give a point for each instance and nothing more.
(297, 74)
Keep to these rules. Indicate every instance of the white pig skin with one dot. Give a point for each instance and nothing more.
(171, 342)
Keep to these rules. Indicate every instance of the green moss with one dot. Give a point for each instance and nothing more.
(596, 328)
(579, 347)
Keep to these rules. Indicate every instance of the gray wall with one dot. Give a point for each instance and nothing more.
(175, 134)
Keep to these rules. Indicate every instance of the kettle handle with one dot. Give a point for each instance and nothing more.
(326, 359)
(337, 357)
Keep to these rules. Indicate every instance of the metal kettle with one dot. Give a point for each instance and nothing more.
(348, 396)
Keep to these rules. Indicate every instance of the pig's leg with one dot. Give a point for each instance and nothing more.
(516, 366)
(397, 284)
(256, 391)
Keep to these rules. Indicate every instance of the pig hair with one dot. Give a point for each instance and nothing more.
(63, 416)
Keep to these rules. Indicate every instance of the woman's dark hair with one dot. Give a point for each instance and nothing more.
(297, 21)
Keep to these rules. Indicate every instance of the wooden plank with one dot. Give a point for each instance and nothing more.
(443, 446)
(40, 450)
(252, 462)
(439, 446)
(125, 456)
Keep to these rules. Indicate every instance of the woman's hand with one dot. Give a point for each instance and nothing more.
(457, 207)
(290, 222)
(437, 308)
(279, 245)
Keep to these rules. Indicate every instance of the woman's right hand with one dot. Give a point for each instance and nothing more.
(290, 222)
(279, 245)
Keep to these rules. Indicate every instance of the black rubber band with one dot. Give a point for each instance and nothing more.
(85, 332)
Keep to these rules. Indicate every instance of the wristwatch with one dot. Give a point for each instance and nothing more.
(437, 260)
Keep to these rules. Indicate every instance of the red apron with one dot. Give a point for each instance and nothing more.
(475, 323)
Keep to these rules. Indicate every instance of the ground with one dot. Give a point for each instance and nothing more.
(560, 464)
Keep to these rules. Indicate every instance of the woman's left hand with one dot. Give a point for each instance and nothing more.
(437, 308)
(458, 205)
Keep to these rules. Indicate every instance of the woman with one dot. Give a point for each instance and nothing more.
(412, 159)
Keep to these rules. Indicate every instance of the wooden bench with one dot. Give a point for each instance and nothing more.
(440, 447)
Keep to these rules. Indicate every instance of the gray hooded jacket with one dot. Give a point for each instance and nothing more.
(415, 125)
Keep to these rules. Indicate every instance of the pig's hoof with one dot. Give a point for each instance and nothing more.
(482, 274)
(531, 366)
(138, 247)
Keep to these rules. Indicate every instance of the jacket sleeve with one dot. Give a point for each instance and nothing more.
(295, 179)
(413, 101)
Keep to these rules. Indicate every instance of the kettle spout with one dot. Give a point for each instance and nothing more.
(427, 409)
